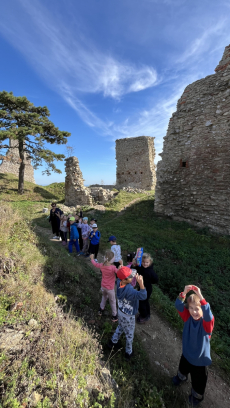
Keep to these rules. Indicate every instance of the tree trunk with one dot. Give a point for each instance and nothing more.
(21, 168)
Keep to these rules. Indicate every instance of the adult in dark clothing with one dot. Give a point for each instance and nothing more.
(150, 278)
(54, 219)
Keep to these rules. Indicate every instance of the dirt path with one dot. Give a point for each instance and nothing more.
(163, 346)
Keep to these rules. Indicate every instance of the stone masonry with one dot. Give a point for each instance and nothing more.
(135, 162)
(11, 162)
(75, 191)
(193, 177)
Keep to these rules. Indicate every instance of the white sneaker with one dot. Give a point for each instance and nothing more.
(60, 239)
(95, 260)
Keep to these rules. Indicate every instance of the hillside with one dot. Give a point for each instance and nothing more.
(182, 255)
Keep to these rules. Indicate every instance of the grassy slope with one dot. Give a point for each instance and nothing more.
(43, 263)
(60, 353)
(181, 254)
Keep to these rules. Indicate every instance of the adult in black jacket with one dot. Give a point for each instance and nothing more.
(150, 278)
(54, 219)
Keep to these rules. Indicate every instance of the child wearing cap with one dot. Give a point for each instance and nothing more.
(73, 235)
(198, 326)
(116, 249)
(85, 230)
(107, 284)
(94, 238)
(128, 302)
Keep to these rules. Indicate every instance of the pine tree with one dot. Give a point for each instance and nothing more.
(31, 127)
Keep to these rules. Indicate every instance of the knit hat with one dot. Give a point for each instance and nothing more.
(72, 219)
(124, 272)
(85, 218)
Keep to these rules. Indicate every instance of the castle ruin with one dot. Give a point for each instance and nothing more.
(194, 173)
(135, 162)
(75, 191)
(11, 162)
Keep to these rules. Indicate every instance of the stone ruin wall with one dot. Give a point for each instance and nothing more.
(135, 163)
(75, 191)
(11, 163)
(193, 177)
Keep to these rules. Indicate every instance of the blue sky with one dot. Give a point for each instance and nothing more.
(108, 69)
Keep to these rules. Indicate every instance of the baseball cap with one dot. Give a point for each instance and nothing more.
(112, 238)
(72, 219)
(94, 226)
(124, 272)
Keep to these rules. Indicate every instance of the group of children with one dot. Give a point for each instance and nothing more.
(85, 237)
(133, 290)
(196, 314)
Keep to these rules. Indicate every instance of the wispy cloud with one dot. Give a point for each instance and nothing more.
(74, 61)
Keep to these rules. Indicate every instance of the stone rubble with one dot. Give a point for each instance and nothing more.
(193, 175)
(135, 163)
(134, 190)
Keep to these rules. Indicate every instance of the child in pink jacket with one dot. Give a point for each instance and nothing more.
(108, 282)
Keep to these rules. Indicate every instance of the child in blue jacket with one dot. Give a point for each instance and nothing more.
(128, 303)
(198, 325)
(74, 236)
(94, 238)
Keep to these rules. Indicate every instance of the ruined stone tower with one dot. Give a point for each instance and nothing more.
(75, 191)
(135, 162)
(11, 162)
(193, 177)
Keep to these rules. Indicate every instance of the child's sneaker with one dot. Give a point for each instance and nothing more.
(111, 345)
(100, 312)
(129, 356)
(114, 319)
(142, 320)
(55, 237)
(95, 260)
(194, 401)
(177, 381)
(59, 239)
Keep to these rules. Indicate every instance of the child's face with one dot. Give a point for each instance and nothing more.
(94, 229)
(112, 242)
(71, 222)
(195, 311)
(84, 221)
(65, 217)
(76, 217)
(146, 262)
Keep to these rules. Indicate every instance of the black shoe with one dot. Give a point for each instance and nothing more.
(100, 312)
(114, 319)
(111, 345)
(177, 381)
(194, 401)
(129, 356)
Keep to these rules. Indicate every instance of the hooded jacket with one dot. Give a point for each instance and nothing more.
(128, 298)
(73, 231)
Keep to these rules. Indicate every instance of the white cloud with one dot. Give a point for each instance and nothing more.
(61, 55)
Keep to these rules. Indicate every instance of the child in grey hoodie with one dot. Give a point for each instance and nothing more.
(128, 303)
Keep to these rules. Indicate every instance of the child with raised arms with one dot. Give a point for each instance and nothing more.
(107, 284)
(198, 326)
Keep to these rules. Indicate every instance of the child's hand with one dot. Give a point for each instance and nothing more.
(91, 256)
(139, 279)
(120, 266)
(197, 291)
(187, 289)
